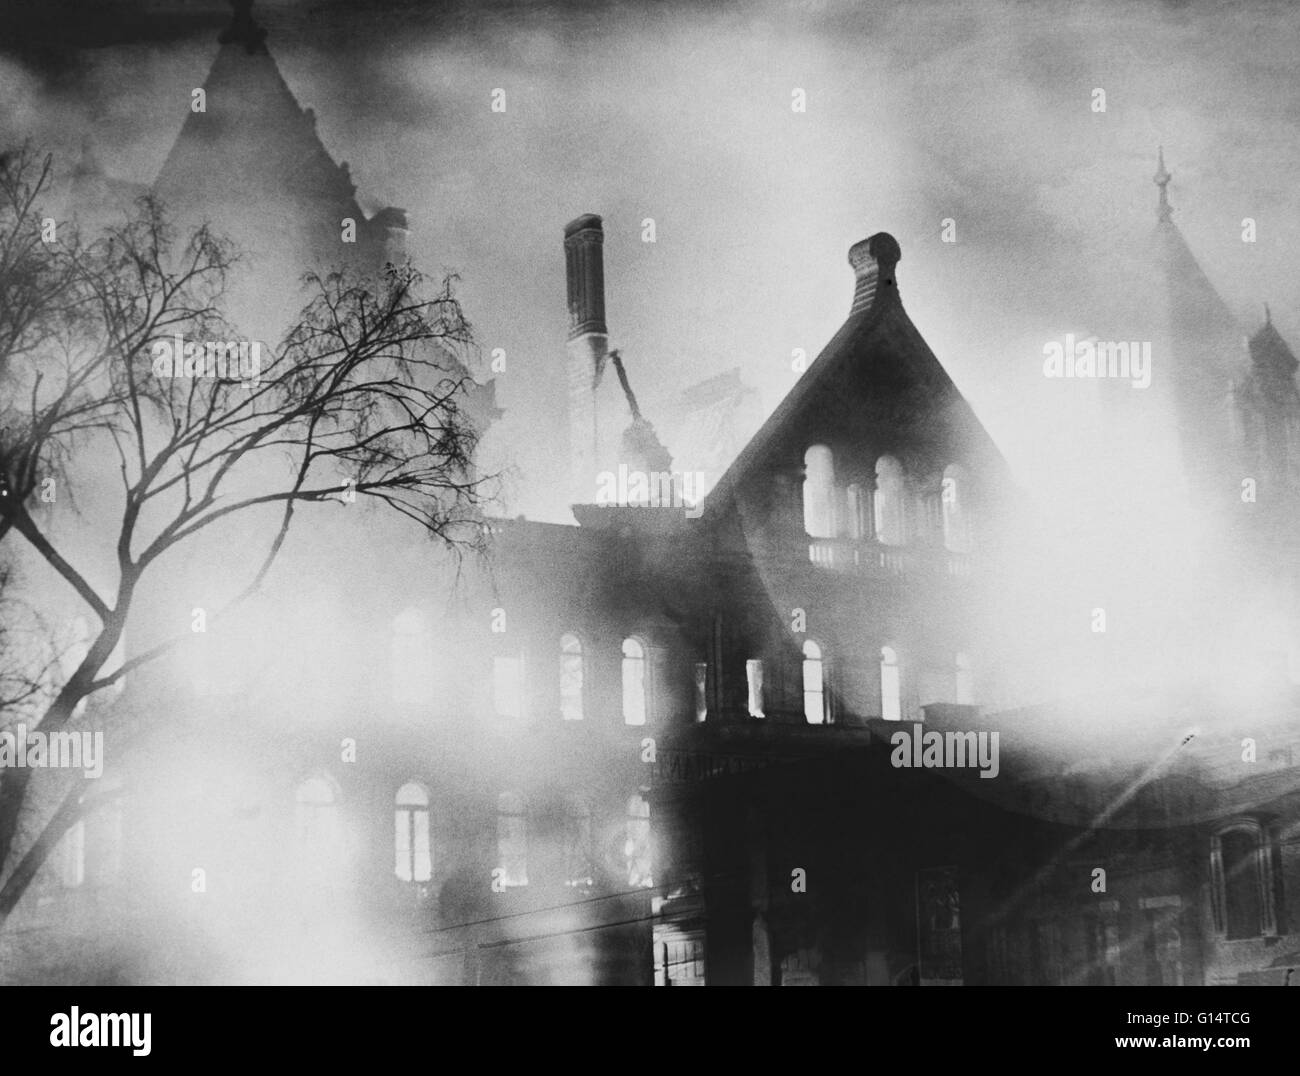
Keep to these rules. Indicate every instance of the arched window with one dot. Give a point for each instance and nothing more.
(317, 828)
(634, 682)
(512, 838)
(891, 699)
(754, 682)
(1242, 870)
(814, 684)
(578, 858)
(965, 681)
(636, 848)
(411, 659)
(956, 517)
(890, 502)
(819, 492)
(570, 678)
(414, 855)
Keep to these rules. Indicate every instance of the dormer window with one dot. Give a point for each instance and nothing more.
(956, 517)
(890, 502)
(819, 492)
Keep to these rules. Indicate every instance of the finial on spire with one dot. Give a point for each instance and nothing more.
(1164, 211)
(243, 29)
(1268, 316)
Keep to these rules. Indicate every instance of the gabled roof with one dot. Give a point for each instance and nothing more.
(878, 347)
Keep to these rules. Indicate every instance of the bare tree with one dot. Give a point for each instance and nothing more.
(363, 398)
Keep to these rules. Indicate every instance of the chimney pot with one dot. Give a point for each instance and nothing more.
(873, 261)
(584, 239)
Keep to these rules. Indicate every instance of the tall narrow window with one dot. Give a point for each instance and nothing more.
(856, 503)
(956, 519)
(512, 839)
(634, 682)
(701, 690)
(508, 686)
(890, 502)
(754, 679)
(819, 492)
(411, 659)
(578, 843)
(1244, 876)
(891, 699)
(965, 681)
(637, 846)
(814, 684)
(570, 678)
(411, 833)
(70, 855)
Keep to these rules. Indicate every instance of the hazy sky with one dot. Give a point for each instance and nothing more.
(916, 112)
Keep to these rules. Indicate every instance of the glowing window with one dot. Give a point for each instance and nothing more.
(956, 521)
(818, 492)
(636, 848)
(891, 700)
(701, 690)
(890, 502)
(814, 684)
(414, 861)
(512, 839)
(754, 680)
(570, 678)
(634, 683)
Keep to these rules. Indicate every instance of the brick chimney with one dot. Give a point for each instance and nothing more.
(588, 348)
(873, 262)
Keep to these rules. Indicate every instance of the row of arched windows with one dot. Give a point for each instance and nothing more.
(816, 696)
(636, 684)
(508, 693)
(888, 512)
(320, 845)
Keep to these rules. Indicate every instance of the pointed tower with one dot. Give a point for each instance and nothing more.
(1203, 363)
(249, 159)
(1269, 401)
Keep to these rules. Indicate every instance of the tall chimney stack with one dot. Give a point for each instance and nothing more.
(873, 261)
(588, 348)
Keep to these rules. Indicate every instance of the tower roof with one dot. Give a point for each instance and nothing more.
(253, 141)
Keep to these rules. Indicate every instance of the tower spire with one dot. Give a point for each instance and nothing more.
(1164, 211)
(243, 29)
